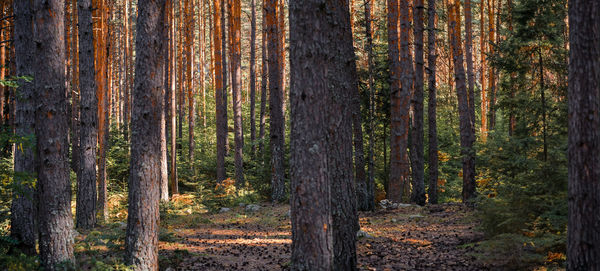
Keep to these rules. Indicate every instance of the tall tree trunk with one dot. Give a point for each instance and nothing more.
(23, 224)
(470, 69)
(400, 100)
(86, 178)
(51, 127)
(491, 76)
(173, 182)
(312, 229)
(236, 62)
(275, 103)
(343, 85)
(482, 54)
(370, 196)
(253, 75)
(168, 71)
(263, 80)
(141, 241)
(189, 56)
(281, 53)
(362, 191)
(220, 91)
(468, 159)
(583, 237)
(225, 75)
(432, 104)
(417, 155)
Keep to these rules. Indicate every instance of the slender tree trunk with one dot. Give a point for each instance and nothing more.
(491, 76)
(189, 56)
(236, 61)
(370, 196)
(482, 49)
(470, 69)
(51, 127)
(164, 184)
(23, 224)
(263, 81)
(86, 181)
(253, 75)
(583, 236)
(275, 103)
(417, 156)
(220, 92)
(312, 229)
(468, 159)
(432, 106)
(141, 241)
(174, 187)
(543, 98)
(225, 77)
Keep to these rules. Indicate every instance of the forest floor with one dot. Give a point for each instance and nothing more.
(436, 237)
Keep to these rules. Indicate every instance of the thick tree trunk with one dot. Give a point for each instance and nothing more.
(399, 165)
(343, 85)
(417, 155)
(312, 239)
(141, 241)
(275, 103)
(583, 240)
(468, 159)
(23, 209)
(86, 178)
(432, 105)
(51, 127)
(236, 98)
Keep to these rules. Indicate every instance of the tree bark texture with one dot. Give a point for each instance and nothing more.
(312, 230)
(275, 104)
(468, 159)
(23, 209)
(86, 179)
(583, 237)
(220, 91)
(236, 61)
(432, 104)
(417, 151)
(145, 177)
(51, 128)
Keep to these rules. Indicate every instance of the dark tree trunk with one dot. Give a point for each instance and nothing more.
(468, 159)
(370, 197)
(312, 239)
(432, 110)
(86, 179)
(225, 77)
(141, 241)
(51, 128)
(236, 98)
(220, 90)
(173, 182)
(583, 240)
(417, 156)
(470, 69)
(263, 81)
(275, 104)
(253, 76)
(342, 84)
(400, 98)
(23, 225)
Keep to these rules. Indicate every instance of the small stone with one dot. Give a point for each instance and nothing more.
(170, 269)
(363, 234)
(416, 216)
(252, 208)
(394, 220)
(224, 210)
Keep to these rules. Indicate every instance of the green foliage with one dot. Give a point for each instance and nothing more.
(117, 160)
